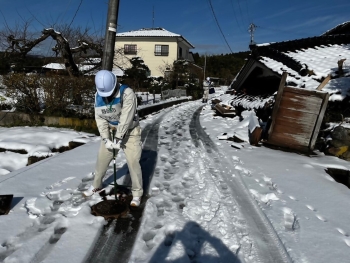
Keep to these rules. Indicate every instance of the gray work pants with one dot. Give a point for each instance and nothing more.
(205, 94)
(132, 147)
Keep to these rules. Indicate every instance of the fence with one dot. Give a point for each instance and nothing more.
(166, 94)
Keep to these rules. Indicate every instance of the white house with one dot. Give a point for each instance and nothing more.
(157, 47)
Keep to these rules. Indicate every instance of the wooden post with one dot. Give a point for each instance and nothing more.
(324, 82)
(277, 100)
(319, 121)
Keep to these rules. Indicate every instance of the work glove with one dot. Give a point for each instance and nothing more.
(112, 145)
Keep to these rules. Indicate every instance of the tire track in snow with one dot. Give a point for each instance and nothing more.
(188, 218)
(265, 239)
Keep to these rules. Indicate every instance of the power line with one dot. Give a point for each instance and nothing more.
(246, 5)
(234, 13)
(240, 9)
(219, 25)
(64, 13)
(34, 17)
(76, 12)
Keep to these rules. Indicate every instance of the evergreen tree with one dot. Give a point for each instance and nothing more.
(223, 66)
(137, 75)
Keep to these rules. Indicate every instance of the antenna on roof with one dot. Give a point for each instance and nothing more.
(251, 30)
(153, 18)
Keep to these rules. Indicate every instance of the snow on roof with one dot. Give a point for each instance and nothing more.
(61, 66)
(338, 89)
(293, 76)
(57, 66)
(321, 60)
(147, 32)
(91, 61)
(339, 29)
(249, 102)
(54, 66)
(85, 67)
(151, 32)
(117, 71)
(264, 44)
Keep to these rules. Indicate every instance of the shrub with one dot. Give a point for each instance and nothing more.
(56, 95)
(24, 90)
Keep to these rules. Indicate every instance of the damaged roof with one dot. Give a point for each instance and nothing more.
(307, 61)
(343, 28)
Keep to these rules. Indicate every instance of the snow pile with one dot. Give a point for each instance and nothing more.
(34, 141)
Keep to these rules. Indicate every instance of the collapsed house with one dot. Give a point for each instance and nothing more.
(317, 64)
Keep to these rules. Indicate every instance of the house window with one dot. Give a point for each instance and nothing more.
(180, 52)
(161, 50)
(130, 49)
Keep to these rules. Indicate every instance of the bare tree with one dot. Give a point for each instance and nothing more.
(72, 43)
(21, 47)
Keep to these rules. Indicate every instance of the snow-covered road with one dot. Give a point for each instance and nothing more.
(200, 209)
(208, 202)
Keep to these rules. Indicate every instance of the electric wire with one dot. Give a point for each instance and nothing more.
(246, 5)
(76, 12)
(65, 12)
(234, 14)
(240, 9)
(34, 17)
(217, 22)
(5, 21)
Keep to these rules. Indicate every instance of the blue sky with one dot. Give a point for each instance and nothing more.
(222, 33)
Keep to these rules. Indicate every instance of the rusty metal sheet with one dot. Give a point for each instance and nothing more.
(291, 141)
(296, 117)
(300, 102)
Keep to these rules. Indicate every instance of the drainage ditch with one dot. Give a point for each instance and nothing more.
(340, 175)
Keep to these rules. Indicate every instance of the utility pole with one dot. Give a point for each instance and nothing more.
(205, 65)
(111, 30)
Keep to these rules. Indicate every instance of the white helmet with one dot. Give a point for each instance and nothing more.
(208, 79)
(105, 82)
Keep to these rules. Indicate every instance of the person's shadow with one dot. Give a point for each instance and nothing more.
(193, 238)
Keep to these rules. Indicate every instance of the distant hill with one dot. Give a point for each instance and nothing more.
(224, 66)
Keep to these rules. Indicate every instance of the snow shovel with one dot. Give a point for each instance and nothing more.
(5, 204)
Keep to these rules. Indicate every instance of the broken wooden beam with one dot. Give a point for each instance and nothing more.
(224, 111)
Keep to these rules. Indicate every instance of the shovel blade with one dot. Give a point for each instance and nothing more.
(5, 204)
